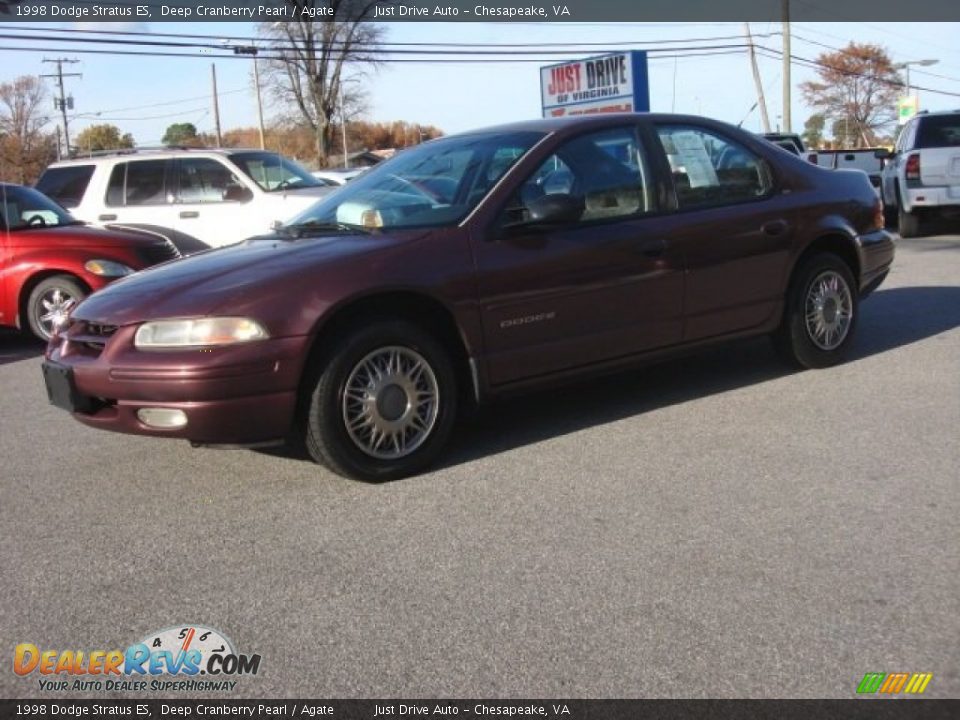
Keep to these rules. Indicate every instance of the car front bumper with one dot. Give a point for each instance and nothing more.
(875, 250)
(242, 394)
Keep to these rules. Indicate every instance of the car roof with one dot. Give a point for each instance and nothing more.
(599, 120)
(148, 153)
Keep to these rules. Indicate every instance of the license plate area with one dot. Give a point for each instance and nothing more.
(62, 390)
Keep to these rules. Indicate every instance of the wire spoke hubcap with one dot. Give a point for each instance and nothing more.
(53, 308)
(390, 402)
(828, 310)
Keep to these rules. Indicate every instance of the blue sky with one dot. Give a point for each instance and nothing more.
(143, 95)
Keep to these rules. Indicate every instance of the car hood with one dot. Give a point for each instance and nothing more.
(79, 236)
(197, 285)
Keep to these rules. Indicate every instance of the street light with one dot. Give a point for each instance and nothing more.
(906, 66)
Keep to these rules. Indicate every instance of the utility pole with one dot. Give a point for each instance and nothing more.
(62, 102)
(761, 100)
(252, 50)
(343, 123)
(216, 104)
(786, 67)
(256, 81)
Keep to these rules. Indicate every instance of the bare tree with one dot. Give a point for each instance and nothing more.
(24, 147)
(858, 84)
(308, 75)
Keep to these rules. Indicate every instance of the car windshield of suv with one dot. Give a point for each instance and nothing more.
(272, 172)
(22, 208)
(430, 185)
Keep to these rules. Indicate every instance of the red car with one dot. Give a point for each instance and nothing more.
(474, 266)
(49, 261)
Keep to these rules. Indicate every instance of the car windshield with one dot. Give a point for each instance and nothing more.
(272, 172)
(22, 207)
(430, 185)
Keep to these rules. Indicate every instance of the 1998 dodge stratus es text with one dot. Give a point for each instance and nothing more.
(472, 266)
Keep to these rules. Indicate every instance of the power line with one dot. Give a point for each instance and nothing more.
(337, 47)
(688, 51)
(255, 39)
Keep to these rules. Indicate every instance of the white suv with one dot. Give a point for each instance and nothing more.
(198, 198)
(922, 174)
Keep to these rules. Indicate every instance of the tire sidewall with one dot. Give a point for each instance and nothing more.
(802, 348)
(908, 223)
(325, 409)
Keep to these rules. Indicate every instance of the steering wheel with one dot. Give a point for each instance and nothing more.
(36, 221)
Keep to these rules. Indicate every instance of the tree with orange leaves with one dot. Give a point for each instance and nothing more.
(858, 84)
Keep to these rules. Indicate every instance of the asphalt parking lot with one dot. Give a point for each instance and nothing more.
(714, 526)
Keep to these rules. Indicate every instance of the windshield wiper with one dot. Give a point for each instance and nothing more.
(314, 227)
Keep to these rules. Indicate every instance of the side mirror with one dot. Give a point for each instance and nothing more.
(555, 209)
(883, 154)
(237, 193)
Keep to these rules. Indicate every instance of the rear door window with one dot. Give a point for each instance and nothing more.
(142, 182)
(67, 184)
(709, 169)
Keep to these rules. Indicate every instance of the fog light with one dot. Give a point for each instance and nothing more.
(163, 418)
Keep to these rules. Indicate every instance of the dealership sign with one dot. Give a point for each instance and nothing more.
(609, 83)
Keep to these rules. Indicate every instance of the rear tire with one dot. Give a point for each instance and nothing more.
(383, 406)
(822, 306)
(908, 223)
(49, 303)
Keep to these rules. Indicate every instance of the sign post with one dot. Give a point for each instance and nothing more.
(609, 83)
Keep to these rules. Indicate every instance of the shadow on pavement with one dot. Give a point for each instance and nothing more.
(15, 346)
(889, 319)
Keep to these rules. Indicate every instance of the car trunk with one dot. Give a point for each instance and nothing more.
(939, 140)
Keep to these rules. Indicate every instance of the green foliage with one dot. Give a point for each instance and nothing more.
(181, 134)
(102, 137)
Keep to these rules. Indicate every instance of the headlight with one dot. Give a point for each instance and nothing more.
(107, 268)
(203, 332)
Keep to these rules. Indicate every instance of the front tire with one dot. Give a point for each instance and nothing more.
(383, 405)
(820, 317)
(50, 302)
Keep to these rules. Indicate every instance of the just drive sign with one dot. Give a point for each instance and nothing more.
(608, 83)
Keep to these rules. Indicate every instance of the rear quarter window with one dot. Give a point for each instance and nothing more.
(939, 131)
(66, 185)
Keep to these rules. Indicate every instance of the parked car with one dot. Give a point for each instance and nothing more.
(790, 142)
(338, 176)
(865, 160)
(50, 261)
(921, 177)
(569, 246)
(199, 198)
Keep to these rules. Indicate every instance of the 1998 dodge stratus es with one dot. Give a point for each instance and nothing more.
(473, 266)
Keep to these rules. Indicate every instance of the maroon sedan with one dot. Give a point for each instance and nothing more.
(49, 261)
(474, 266)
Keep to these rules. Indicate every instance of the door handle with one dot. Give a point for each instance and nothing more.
(188, 214)
(775, 227)
(106, 218)
(653, 248)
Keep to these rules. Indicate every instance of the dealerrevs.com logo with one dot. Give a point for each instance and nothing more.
(894, 683)
(197, 657)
